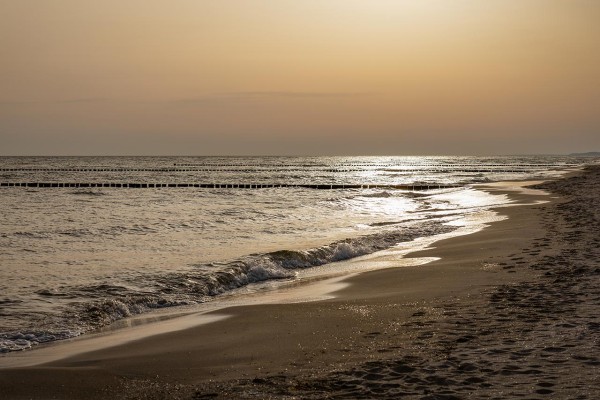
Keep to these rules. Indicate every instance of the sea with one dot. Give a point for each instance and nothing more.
(87, 241)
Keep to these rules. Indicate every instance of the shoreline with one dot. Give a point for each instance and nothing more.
(263, 346)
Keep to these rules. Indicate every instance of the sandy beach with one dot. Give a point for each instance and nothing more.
(508, 312)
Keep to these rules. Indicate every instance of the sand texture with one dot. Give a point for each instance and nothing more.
(509, 312)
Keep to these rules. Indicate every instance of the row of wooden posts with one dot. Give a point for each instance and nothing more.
(373, 165)
(419, 187)
(438, 170)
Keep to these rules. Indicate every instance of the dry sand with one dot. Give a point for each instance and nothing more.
(511, 311)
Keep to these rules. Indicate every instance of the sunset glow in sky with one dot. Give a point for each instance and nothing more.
(339, 77)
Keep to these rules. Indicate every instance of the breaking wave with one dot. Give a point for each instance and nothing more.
(107, 303)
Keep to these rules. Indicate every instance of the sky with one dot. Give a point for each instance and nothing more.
(299, 77)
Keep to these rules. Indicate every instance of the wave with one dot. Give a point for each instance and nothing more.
(52, 293)
(88, 193)
(383, 194)
(30, 235)
(387, 223)
(103, 303)
(10, 301)
(111, 232)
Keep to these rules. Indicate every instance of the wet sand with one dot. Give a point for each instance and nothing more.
(511, 311)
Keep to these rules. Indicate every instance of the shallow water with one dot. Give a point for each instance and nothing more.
(74, 259)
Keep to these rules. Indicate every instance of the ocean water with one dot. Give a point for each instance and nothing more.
(73, 259)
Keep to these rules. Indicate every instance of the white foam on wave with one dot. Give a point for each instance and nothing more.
(18, 341)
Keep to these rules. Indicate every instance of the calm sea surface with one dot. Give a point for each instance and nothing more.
(73, 259)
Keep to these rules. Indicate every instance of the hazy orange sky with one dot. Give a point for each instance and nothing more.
(339, 77)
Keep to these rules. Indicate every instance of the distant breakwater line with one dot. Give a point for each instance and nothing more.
(433, 169)
(416, 187)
